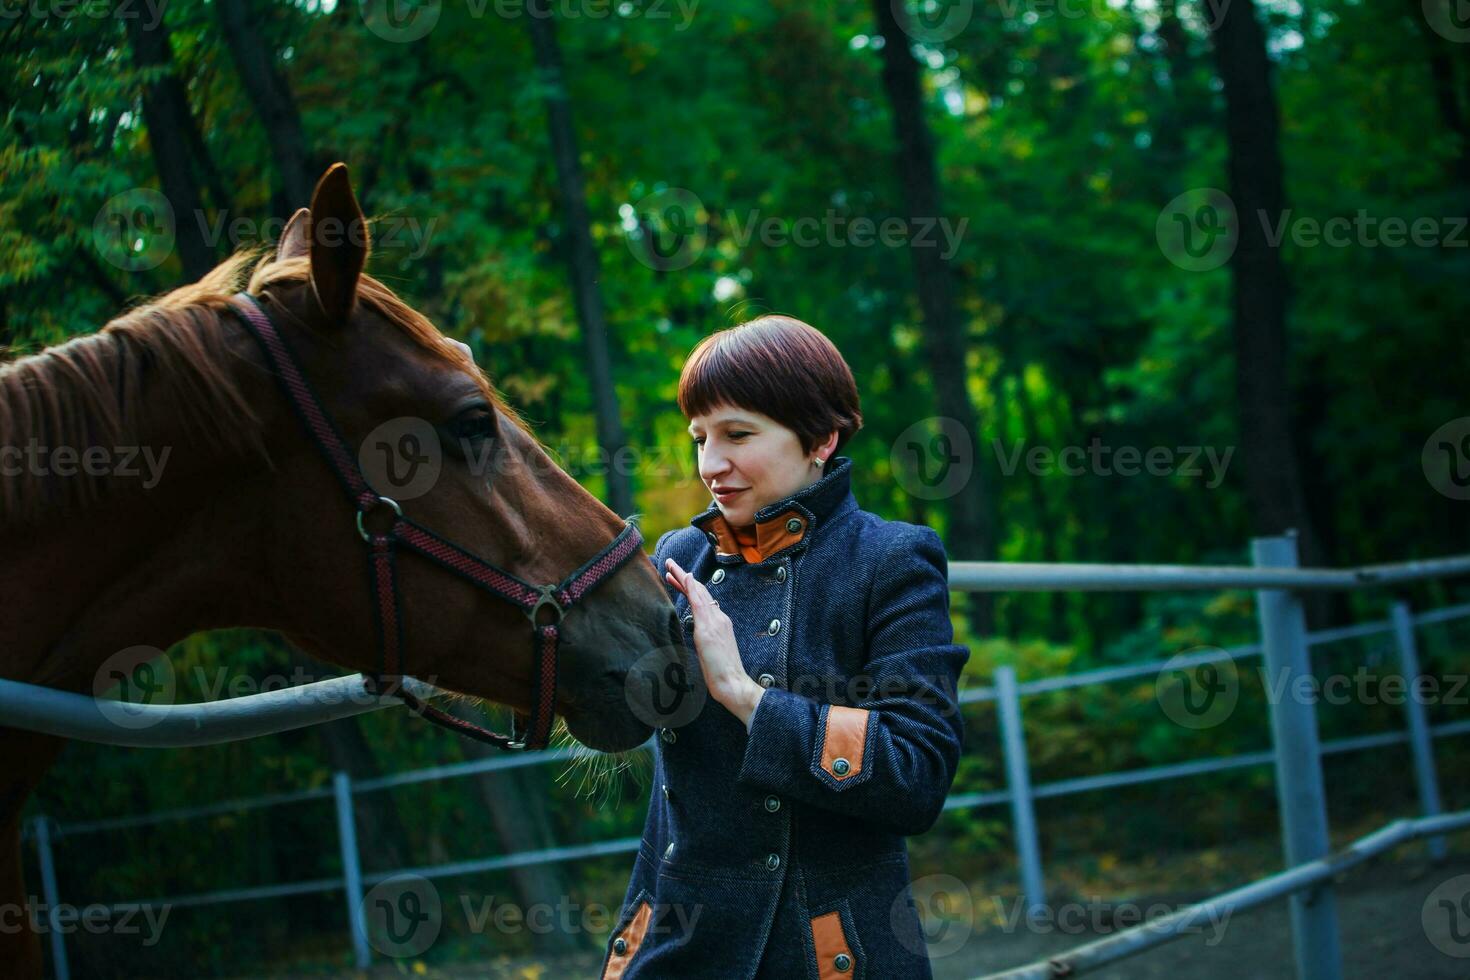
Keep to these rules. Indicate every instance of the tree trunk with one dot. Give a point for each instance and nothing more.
(169, 122)
(1443, 78)
(270, 93)
(1272, 465)
(944, 342)
(1179, 104)
(581, 253)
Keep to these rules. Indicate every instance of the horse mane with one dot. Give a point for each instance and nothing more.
(85, 392)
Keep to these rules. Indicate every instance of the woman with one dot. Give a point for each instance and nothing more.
(774, 844)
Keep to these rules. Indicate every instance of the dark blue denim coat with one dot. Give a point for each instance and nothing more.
(780, 852)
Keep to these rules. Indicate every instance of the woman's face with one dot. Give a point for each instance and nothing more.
(755, 457)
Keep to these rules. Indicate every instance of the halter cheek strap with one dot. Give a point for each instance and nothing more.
(383, 549)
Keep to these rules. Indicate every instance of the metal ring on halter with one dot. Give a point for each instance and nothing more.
(363, 510)
(518, 743)
(547, 598)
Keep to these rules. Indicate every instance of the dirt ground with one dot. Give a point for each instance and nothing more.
(1385, 928)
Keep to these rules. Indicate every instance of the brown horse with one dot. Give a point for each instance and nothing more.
(245, 525)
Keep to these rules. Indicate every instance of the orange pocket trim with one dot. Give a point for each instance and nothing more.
(829, 939)
(846, 737)
(633, 936)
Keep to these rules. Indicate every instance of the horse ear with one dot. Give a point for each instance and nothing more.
(339, 244)
(294, 239)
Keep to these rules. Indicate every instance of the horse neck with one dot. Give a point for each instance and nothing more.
(143, 564)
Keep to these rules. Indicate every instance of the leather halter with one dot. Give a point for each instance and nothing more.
(382, 560)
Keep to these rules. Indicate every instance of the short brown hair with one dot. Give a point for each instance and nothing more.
(780, 367)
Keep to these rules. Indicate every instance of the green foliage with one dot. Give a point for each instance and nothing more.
(1059, 139)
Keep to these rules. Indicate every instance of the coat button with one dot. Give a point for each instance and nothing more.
(774, 628)
(773, 803)
(717, 577)
(669, 851)
(620, 945)
(765, 680)
(668, 735)
(688, 620)
(781, 574)
(712, 538)
(793, 525)
(840, 766)
(843, 962)
(773, 861)
(666, 791)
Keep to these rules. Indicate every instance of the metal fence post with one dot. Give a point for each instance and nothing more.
(1420, 740)
(1018, 776)
(1300, 789)
(351, 870)
(59, 965)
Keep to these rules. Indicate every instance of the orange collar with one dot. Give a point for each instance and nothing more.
(757, 543)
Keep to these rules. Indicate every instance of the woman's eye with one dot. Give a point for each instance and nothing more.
(731, 435)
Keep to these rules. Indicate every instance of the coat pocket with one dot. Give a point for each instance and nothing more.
(628, 937)
(839, 955)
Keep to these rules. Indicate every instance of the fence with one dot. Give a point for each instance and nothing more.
(1285, 646)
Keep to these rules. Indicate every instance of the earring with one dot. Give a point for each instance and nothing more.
(817, 462)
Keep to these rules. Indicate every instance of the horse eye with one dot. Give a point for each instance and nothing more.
(474, 424)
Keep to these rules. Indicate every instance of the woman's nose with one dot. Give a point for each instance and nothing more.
(713, 464)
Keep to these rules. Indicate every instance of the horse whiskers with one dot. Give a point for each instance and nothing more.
(602, 772)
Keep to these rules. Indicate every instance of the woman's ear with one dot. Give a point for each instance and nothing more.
(826, 447)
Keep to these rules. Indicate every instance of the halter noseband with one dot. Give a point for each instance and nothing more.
(382, 560)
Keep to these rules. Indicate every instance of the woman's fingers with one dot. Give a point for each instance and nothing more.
(676, 576)
(700, 600)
